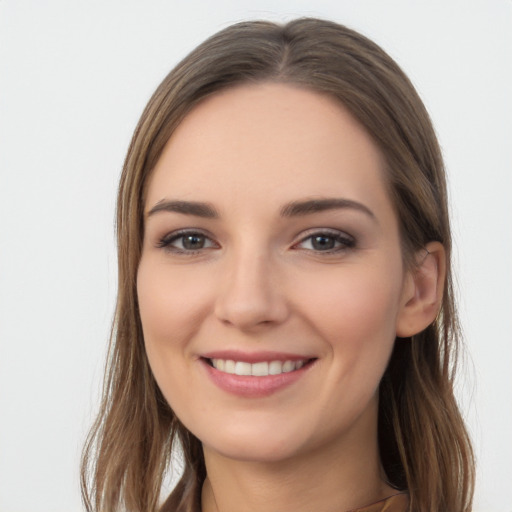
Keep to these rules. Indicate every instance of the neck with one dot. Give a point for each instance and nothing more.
(335, 479)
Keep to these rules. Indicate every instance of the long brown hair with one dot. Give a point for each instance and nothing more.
(423, 442)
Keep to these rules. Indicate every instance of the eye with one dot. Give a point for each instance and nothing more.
(186, 242)
(326, 241)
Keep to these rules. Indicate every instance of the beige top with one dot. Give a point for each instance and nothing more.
(396, 503)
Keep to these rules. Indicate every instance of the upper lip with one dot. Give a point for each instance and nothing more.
(255, 357)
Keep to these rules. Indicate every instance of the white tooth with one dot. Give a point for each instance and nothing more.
(220, 364)
(259, 369)
(229, 366)
(275, 368)
(288, 366)
(242, 368)
(299, 364)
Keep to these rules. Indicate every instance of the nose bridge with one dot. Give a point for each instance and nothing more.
(250, 293)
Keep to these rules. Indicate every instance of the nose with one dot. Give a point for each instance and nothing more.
(250, 294)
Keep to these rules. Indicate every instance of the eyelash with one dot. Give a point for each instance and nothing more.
(167, 241)
(343, 240)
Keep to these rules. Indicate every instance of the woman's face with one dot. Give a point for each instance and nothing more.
(271, 280)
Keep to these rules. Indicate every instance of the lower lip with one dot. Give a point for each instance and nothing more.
(253, 387)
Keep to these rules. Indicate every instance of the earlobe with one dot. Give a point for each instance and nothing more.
(423, 291)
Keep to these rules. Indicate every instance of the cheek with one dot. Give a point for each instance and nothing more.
(355, 311)
(369, 292)
(354, 314)
(171, 303)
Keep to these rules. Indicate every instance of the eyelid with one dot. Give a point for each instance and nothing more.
(347, 241)
(165, 242)
(344, 240)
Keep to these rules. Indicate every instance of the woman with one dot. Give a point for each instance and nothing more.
(285, 309)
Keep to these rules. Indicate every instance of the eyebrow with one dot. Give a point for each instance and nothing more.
(292, 209)
(198, 209)
(298, 208)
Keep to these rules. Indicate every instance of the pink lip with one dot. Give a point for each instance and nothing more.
(253, 387)
(254, 357)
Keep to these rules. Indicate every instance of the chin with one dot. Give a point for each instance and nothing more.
(259, 451)
(261, 442)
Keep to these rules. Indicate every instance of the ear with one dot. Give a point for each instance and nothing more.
(423, 291)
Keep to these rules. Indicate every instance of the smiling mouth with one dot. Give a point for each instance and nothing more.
(259, 369)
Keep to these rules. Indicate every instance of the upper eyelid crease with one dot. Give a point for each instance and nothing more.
(184, 232)
(328, 232)
(167, 240)
(339, 236)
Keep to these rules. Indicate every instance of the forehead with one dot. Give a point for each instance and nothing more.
(273, 141)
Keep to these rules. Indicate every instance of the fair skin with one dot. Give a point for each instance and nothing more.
(270, 237)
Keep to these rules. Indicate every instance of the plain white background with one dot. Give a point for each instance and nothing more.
(74, 78)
